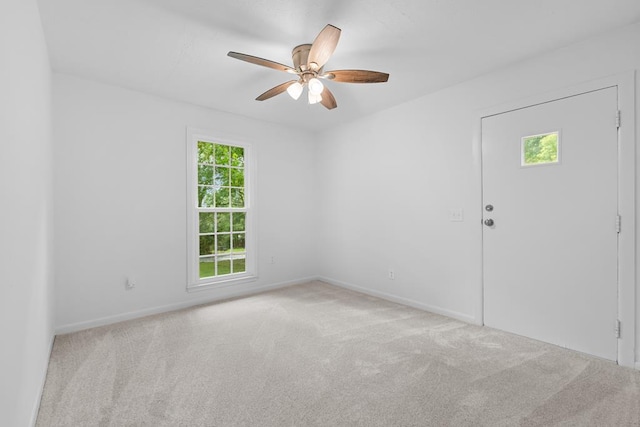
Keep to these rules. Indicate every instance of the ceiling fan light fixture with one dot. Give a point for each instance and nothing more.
(309, 61)
(295, 90)
(314, 98)
(315, 86)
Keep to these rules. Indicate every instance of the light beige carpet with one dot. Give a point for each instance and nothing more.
(317, 355)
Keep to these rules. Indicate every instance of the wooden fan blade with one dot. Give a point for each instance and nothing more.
(323, 47)
(328, 100)
(356, 76)
(275, 90)
(261, 61)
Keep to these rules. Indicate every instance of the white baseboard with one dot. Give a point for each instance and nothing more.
(638, 366)
(45, 369)
(108, 320)
(404, 301)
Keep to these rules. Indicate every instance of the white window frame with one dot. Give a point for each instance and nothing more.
(194, 282)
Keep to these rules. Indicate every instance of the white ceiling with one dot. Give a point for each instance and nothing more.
(177, 48)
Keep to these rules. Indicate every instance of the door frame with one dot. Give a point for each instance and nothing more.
(625, 84)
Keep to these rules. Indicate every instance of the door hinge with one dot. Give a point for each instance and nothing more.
(618, 118)
(617, 329)
(618, 223)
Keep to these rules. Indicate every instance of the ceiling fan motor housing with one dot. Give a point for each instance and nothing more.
(300, 55)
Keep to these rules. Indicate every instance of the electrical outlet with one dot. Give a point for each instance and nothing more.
(130, 284)
(273, 260)
(392, 275)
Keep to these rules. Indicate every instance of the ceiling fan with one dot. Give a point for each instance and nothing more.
(308, 64)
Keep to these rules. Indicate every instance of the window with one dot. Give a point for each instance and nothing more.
(220, 232)
(540, 149)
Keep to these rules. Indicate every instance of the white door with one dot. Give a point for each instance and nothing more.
(550, 257)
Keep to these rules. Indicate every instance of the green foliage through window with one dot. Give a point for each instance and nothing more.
(221, 176)
(221, 190)
(540, 149)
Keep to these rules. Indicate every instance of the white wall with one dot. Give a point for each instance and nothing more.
(120, 202)
(26, 221)
(387, 181)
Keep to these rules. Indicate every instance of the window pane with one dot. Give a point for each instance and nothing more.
(222, 198)
(205, 175)
(205, 152)
(238, 265)
(540, 149)
(237, 156)
(237, 198)
(224, 243)
(205, 196)
(238, 242)
(222, 154)
(207, 222)
(222, 177)
(207, 267)
(237, 177)
(224, 219)
(239, 221)
(207, 245)
(224, 266)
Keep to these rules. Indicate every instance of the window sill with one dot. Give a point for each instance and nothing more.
(221, 284)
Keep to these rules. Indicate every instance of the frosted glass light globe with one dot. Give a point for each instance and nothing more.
(295, 90)
(314, 99)
(315, 86)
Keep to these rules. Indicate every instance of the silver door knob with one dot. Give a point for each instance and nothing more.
(488, 222)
